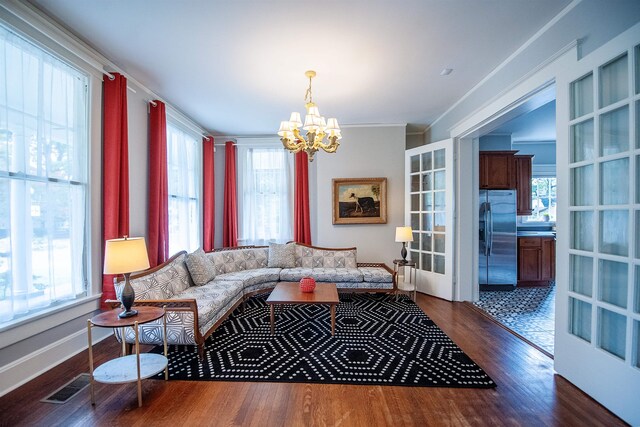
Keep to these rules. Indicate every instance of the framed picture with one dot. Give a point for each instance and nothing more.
(360, 200)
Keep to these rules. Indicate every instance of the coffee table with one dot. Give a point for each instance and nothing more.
(289, 293)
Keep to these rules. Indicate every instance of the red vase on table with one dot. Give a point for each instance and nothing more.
(307, 284)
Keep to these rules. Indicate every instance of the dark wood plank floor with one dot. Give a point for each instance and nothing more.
(528, 393)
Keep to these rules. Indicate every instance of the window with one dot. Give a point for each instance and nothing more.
(43, 179)
(266, 200)
(543, 200)
(183, 172)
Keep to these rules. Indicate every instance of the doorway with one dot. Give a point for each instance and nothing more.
(524, 300)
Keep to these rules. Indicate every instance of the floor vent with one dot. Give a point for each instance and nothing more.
(67, 391)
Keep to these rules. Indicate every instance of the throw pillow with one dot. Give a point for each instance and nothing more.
(282, 255)
(200, 267)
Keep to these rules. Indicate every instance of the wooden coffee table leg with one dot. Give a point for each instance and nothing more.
(333, 319)
(273, 318)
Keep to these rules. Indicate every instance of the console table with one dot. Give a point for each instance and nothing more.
(128, 368)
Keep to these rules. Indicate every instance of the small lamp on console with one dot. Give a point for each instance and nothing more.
(404, 235)
(124, 256)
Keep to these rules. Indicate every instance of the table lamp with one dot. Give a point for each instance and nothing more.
(404, 235)
(124, 256)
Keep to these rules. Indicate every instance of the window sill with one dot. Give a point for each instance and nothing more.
(28, 326)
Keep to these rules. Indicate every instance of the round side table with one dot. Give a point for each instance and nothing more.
(128, 368)
(410, 286)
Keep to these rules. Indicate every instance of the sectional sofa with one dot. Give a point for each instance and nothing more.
(194, 312)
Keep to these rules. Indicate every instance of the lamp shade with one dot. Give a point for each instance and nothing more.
(310, 123)
(295, 120)
(285, 129)
(404, 234)
(125, 255)
(332, 124)
(314, 111)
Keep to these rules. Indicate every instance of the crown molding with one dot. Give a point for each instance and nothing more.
(515, 54)
(48, 27)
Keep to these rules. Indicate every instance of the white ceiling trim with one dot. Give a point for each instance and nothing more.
(511, 57)
(42, 23)
(521, 80)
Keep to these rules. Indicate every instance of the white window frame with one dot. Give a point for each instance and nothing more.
(197, 176)
(244, 145)
(539, 171)
(62, 311)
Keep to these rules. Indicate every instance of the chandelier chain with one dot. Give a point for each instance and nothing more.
(308, 97)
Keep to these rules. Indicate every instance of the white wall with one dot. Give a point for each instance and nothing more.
(365, 152)
(544, 152)
(495, 142)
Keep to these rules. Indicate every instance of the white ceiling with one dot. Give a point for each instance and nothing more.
(535, 126)
(237, 67)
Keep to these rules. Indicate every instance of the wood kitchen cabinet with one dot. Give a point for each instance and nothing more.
(504, 170)
(536, 260)
(523, 183)
(498, 170)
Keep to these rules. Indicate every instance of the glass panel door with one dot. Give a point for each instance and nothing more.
(598, 300)
(604, 162)
(429, 211)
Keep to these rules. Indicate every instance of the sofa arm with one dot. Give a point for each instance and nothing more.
(382, 265)
(174, 305)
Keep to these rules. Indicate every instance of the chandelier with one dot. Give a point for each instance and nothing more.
(315, 125)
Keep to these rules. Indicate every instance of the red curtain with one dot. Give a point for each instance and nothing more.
(301, 221)
(158, 233)
(230, 216)
(115, 168)
(208, 194)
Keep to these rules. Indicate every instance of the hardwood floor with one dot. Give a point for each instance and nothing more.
(528, 393)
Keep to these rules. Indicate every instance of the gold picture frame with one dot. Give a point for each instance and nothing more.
(359, 200)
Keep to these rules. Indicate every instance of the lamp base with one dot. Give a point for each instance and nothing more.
(127, 298)
(127, 313)
(403, 252)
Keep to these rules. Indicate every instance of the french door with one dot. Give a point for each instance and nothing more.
(598, 300)
(429, 212)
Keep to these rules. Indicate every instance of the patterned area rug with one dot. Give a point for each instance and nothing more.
(378, 340)
(528, 311)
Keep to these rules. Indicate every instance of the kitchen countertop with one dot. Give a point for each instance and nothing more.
(522, 233)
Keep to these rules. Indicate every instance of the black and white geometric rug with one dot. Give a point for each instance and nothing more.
(378, 341)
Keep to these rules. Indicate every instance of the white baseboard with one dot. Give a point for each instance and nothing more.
(30, 366)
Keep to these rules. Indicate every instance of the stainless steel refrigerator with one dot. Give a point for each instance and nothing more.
(498, 260)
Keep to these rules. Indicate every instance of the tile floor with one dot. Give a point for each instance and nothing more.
(527, 311)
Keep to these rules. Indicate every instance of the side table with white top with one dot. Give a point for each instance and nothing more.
(407, 280)
(133, 367)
